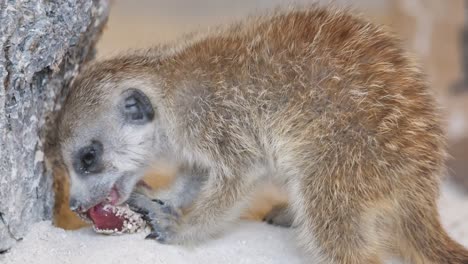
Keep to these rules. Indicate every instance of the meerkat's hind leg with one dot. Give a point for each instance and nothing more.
(334, 229)
(338, 240)
(280, 215)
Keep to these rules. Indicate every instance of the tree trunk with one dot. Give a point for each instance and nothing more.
(42, 44)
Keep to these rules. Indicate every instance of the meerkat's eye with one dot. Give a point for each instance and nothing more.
(136, 107)
(88, 159)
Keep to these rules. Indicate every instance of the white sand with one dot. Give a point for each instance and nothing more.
(245, 243)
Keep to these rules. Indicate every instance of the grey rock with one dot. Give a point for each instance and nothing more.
(42, 45)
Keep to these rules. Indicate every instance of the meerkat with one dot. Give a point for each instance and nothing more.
(318, 100)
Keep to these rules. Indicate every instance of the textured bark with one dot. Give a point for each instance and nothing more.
(42, 44)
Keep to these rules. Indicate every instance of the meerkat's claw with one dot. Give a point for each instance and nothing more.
(158, 236)
(152, 235)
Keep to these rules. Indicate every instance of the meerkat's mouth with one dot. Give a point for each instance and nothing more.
(110, 200)
(103, 216)
(108, 217)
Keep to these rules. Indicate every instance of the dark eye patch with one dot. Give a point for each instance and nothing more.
(88, 160)
(136, 107)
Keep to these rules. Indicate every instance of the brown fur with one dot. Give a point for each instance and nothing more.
(330, 103)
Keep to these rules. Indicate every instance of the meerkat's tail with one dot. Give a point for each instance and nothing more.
(427, 241)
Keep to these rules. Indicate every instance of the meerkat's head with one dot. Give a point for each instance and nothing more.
(106, 133)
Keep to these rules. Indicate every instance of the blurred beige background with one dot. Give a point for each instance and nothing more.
(140, 23)
(431, 29)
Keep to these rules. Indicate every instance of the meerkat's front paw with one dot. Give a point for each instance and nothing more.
(160, 216)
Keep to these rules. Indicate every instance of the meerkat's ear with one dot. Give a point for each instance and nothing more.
(136, 107)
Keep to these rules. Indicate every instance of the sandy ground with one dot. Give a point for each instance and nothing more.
(244, 243)
(247, 243)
